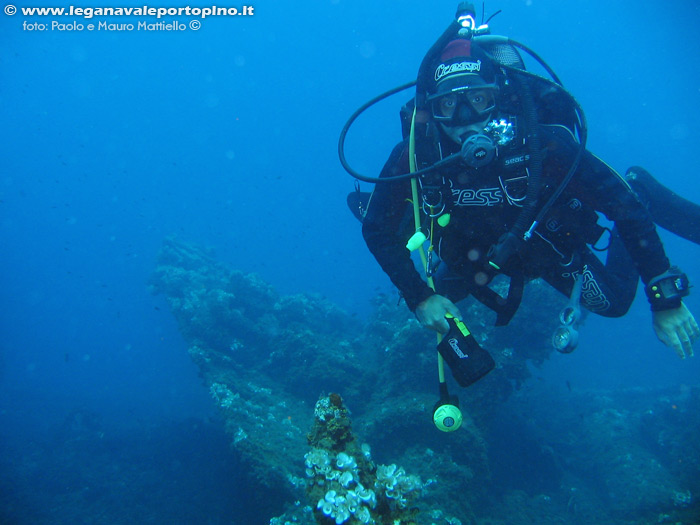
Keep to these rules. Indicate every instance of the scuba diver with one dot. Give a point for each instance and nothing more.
(494, 176)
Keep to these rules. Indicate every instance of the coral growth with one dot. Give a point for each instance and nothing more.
(344, 481)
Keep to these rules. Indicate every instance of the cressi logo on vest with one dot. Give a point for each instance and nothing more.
(460, 67)
(481, 197)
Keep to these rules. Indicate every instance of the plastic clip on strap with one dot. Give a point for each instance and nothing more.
(665, 291)
(416, 241)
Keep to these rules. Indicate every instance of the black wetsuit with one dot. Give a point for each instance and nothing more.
(668, 209)
(485, 205)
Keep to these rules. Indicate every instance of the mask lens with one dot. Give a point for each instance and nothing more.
(459, 108)
(446, 106)
(481, 100)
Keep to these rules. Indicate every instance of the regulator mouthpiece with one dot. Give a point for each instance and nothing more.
(478, 150)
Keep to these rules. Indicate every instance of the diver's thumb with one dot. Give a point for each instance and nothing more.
(453, 311)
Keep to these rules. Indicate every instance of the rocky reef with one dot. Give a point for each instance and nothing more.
(271, 363)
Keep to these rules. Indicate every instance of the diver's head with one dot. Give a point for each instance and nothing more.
(462, 94)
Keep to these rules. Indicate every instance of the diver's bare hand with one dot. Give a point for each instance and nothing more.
(676, 328)
(431, 313)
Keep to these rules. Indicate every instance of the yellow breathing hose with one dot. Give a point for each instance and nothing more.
(416, 219)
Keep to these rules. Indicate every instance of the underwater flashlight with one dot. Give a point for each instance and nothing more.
(446, 415)
(447, 418)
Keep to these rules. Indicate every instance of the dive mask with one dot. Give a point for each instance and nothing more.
(463, 106)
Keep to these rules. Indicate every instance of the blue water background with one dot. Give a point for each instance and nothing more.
(227, 137)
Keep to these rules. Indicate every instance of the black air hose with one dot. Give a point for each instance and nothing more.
(535, 149)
